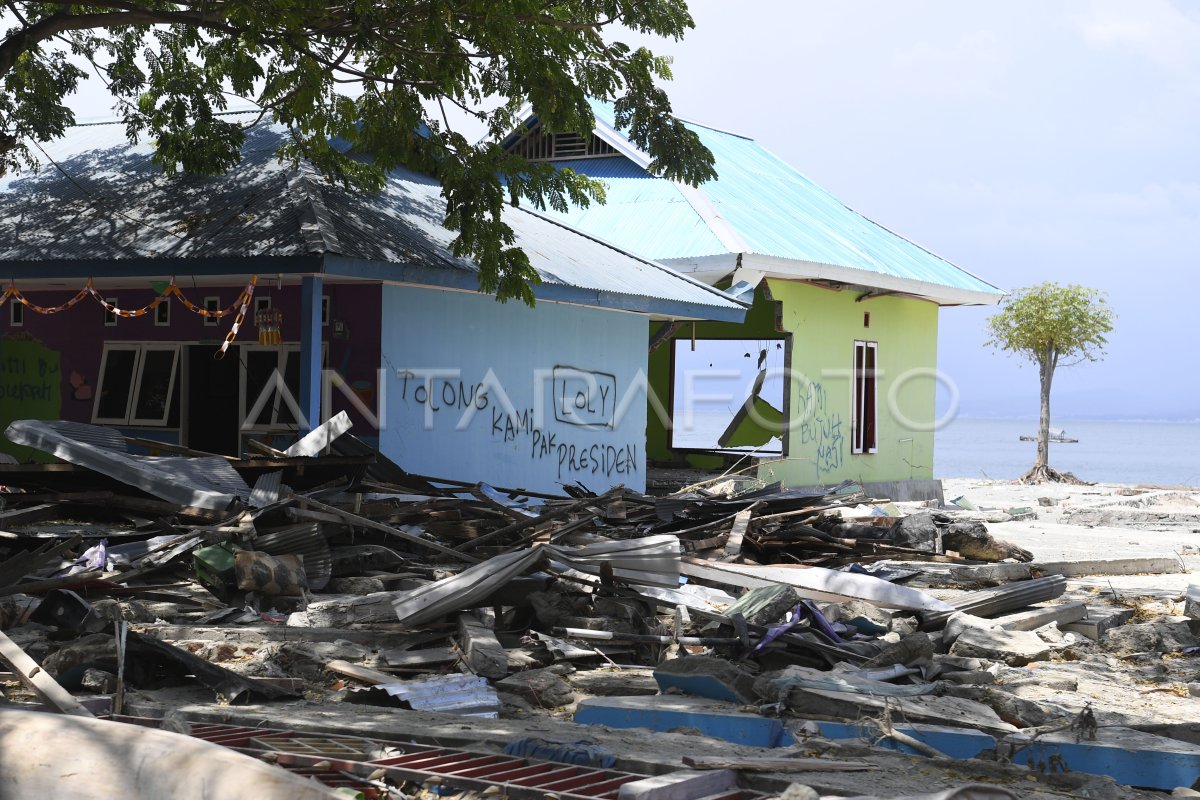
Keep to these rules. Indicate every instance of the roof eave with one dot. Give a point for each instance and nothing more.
(468, 281)
(790, 269)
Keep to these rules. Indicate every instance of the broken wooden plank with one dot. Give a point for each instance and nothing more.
(741, 523)
(359, 673)
(37, 679)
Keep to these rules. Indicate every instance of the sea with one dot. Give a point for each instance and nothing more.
(1108, 451)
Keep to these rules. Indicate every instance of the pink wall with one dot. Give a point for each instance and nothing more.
(78, 334)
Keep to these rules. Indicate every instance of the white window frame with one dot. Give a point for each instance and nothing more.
(324, 310)
(280, 364)
(136, 389)
(16, 313)
(110, 319)
(161, 310)
(859, 383)
(135, 383)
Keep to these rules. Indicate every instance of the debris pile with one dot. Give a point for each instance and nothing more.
(328, 573)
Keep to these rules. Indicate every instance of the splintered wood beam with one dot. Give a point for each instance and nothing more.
(741, 523)
(37, 679)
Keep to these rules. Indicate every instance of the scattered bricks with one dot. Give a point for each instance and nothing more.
(1015, 648)
(1098, 621)
(541, 687)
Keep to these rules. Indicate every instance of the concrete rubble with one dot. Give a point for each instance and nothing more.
(324, 613)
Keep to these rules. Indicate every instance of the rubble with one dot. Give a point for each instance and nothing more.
(759, 615)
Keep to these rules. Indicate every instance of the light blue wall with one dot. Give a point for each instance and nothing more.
(580, 370)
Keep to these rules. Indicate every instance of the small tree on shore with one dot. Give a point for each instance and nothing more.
(1052, 326)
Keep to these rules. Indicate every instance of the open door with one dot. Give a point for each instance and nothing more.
(212, 401)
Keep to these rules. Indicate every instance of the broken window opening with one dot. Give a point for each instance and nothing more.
(864, 428)
(727, 395)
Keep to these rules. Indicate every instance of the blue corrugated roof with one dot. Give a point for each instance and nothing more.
(774, 209)
(642, 213)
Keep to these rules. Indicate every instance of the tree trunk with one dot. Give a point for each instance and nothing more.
(1046, 374)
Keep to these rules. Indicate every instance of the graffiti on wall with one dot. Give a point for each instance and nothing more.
(820, 430)
(580, 401)
(30, 385)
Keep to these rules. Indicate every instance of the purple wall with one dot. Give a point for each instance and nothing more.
(78, 334)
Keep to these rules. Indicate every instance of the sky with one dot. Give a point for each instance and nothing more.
(1025, 141)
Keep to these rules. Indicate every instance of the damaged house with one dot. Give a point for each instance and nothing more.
(204, 312)
(832, 376)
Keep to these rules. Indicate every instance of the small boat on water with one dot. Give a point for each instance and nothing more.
(1056, 435)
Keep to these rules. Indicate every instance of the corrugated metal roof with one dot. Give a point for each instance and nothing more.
(102, 199)
(775, 210)
(642, 213)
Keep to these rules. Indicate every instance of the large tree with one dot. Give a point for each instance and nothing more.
(378, 75)
(1053, 326)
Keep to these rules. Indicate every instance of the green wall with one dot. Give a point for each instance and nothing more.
(824, 325)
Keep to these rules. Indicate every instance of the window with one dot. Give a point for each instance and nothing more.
(270, 387)
(864, 431)
(728, 395)
(325, 310)
(162, 314)
(137, 384)
(110, 319)
(16, 313)
(212, 304)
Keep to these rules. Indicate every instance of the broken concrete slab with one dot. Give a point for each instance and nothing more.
(1036, 617)
(1129, 756)
(706, 676)
(541, 687)
(1015, 648)
(1150, 637)
(954, 742)
(1111, 566)
(612, 682)
(667, 712)
(482, 651)
(1098, 621)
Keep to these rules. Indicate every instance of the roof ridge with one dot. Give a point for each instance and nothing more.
(316, 221)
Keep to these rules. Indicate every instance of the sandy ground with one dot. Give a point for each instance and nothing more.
(1100, 521)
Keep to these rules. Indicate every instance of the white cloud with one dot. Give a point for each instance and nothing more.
(1155, 30)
